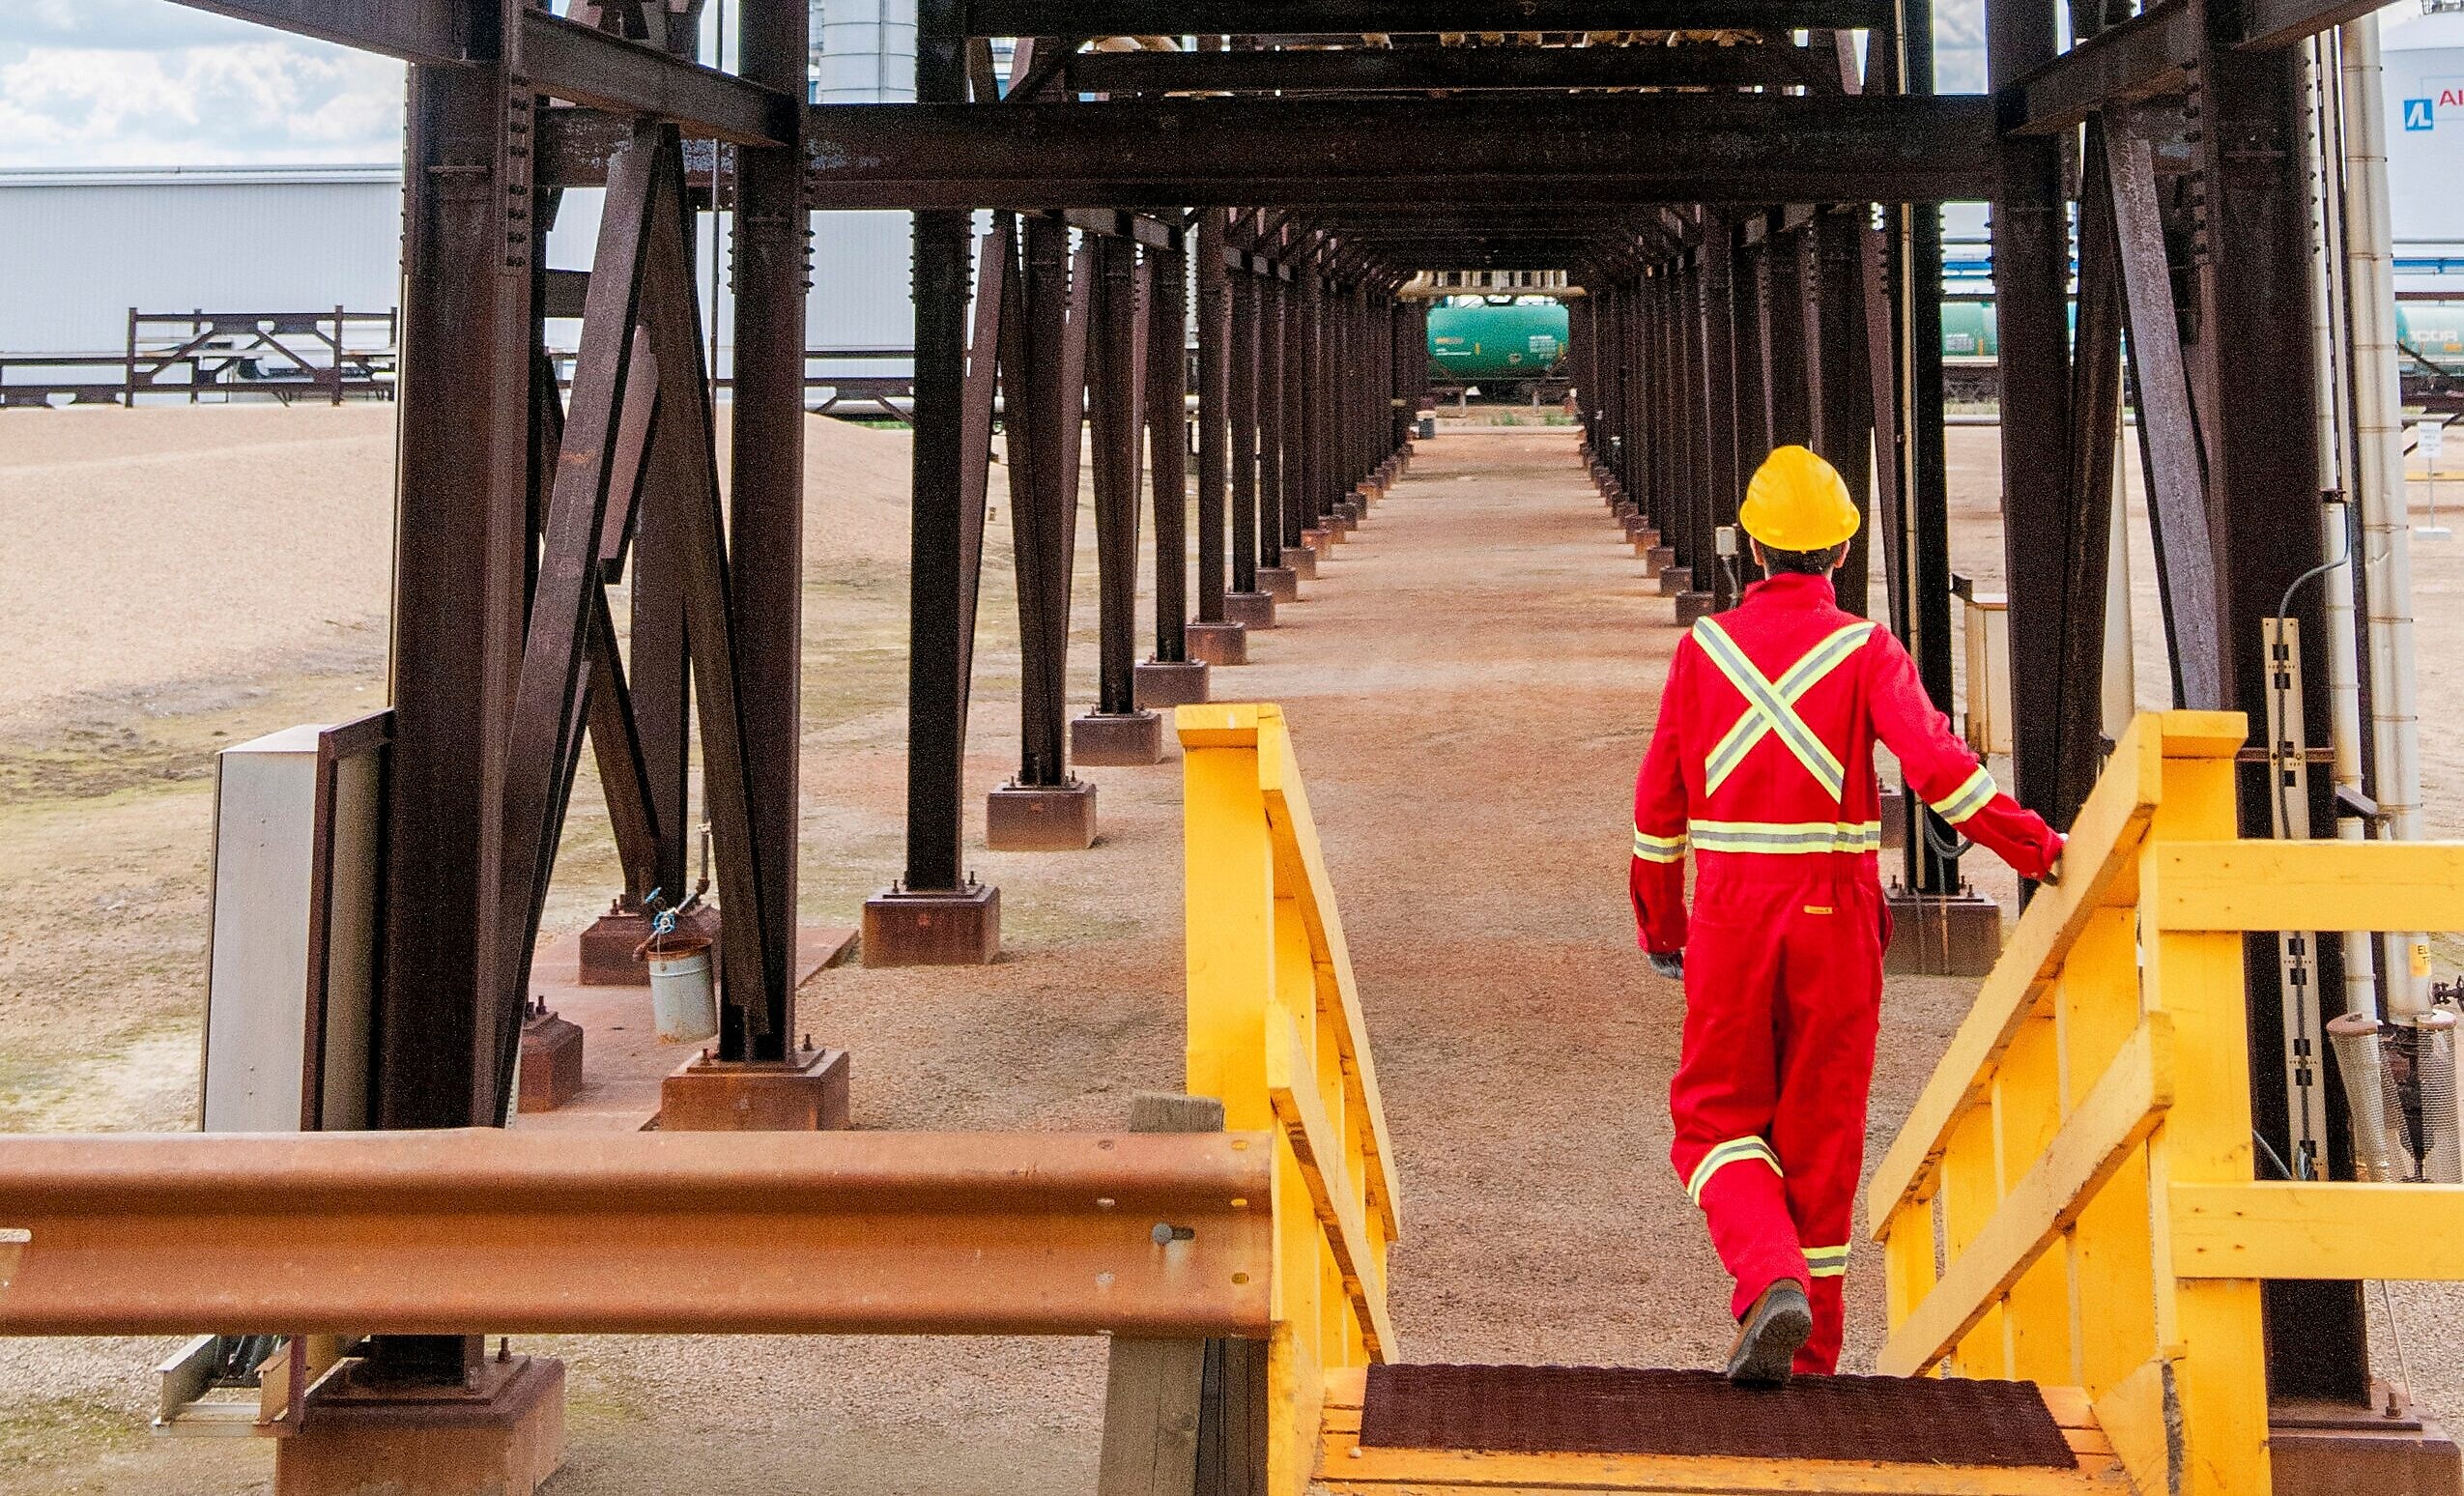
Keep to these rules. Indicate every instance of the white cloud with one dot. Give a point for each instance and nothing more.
(146, 83)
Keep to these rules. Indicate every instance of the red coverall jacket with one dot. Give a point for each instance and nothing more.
(1762, 762)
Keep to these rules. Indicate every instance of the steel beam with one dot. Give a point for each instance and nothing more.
(587, 67)
(1357, 17)
(416, 31)
(2268, 24)
(2145, 57)
(1455, 69)
(1572, 151)
(555, 56)
(898, 1233)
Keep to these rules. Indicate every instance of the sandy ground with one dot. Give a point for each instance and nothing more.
(1470, 684)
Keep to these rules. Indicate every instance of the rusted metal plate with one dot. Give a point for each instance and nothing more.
(450, 1232)
(1606, 1410)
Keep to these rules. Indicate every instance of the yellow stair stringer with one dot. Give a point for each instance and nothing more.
(1346, 1469)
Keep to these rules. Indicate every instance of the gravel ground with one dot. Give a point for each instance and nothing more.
(1470, 684)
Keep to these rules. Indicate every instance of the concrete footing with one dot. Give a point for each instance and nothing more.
(1224, 643)
(1660, 558)
(1251, 610)
(1278, 583)
(1040, 817)
(949, 927)
(501, 1435)
(1170, 683)
(1675, 580)
(551, 1060)
(1128, 739)
(1317, 540)
(1943, 935)
(1302, 560)
(607, 945)
(2320, 1448)
(1692, 607)
(807, 1093)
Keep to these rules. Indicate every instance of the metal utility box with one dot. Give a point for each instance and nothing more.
(1988, 673)
(288, 1007)
(290, 993)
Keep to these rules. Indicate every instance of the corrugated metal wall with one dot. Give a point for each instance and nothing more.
(81, 248)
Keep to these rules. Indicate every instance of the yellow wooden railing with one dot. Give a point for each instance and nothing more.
(1276, 1032)
(2073, 1199)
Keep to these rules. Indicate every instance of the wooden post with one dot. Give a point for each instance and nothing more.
(1155, 1390)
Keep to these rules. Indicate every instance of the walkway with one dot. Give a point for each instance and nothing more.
(1471, 684)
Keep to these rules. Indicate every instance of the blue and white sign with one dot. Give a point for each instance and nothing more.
(2417, 113)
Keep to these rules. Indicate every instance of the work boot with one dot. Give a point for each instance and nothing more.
(1769, 1337)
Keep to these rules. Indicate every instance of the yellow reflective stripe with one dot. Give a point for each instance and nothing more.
(1658, 849)
(1771, 706)
(1783, 836)
(1734, 1151)
(1974, 793)
(1827, 1262)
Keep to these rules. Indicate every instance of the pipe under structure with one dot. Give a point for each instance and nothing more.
(2121, 655)
(2337, 598)
(2378, 483)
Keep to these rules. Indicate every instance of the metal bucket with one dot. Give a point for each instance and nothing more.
(682, 1000)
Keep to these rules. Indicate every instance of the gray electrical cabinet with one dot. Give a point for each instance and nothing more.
(297, 830)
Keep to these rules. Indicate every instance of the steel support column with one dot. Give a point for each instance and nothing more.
(1113, 416)
(1246, 446)
(1166, 397)
(2041, 522)
(460, 600)
(1216, 418)
(765, 528)
(938, 915)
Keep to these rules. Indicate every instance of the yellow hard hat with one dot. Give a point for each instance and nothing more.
(1797, 502)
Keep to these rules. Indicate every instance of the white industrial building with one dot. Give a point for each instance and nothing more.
(84, 247)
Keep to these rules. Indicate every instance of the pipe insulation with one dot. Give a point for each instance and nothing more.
(2378, 484)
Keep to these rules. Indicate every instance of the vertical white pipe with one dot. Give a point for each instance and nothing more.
(2335, 535)
(2378, 482)
(2121, 657)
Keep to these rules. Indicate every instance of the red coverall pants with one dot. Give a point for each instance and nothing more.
(1783, 998)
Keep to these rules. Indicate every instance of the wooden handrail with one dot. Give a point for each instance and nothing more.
(1275, 1031)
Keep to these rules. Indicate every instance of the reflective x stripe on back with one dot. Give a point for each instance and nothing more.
(1770, 706)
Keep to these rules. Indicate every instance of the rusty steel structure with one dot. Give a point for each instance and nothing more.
(1745, 190)
(906, 1233)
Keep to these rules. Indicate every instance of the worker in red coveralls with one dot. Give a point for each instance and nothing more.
(1764, 762)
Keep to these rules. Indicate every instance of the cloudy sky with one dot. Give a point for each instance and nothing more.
(150, 83)
(145, 82)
